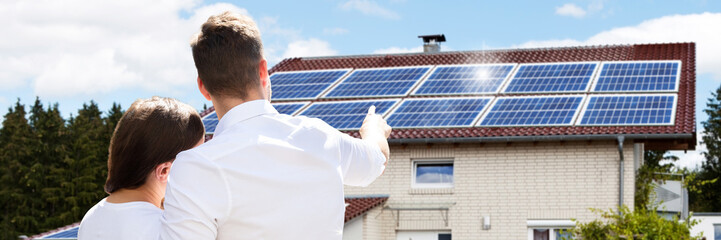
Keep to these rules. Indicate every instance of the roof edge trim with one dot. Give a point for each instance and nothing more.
(544, 138)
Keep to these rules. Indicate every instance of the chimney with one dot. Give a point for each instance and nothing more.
(432, 43)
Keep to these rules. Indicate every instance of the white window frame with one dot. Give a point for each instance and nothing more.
(414, 166)
(420, 234)
(551, 225)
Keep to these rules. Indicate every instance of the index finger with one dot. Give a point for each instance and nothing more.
(372, 109)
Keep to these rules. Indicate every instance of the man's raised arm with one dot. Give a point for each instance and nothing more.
(364, 160)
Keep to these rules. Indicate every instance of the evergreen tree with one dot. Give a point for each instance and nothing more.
(52, 138)
(53, 170)
(86, 163)
(709, 198)
(15, 137)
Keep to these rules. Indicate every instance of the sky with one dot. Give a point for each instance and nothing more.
(73, 51)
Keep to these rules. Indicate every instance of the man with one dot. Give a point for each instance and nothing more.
(264, 175)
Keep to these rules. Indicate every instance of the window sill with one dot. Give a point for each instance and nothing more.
(430, 191)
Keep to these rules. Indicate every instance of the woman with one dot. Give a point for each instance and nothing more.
(142, 149)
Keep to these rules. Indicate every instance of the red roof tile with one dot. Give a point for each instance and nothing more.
(685, 122)
(359, 205)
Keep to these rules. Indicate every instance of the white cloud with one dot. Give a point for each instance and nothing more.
(85, 72)
(570, 9)
(335, 31)
(77, 47)
(309, 48)
(392, 50)
(698, 28)
(368, 7)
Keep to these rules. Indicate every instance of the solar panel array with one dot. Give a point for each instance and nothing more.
(630, 110)
(484, 95)
(532, 111)
(346, 115)
(437, 112)
(210, 121)
(289, 108)
(647, 76)
(379, 82)
(71, 233)
(465, 79)
(303, 85)
(559, 77)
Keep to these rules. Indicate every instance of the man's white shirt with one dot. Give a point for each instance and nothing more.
(266, 175)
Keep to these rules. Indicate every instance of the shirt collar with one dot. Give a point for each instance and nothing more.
(243, 112)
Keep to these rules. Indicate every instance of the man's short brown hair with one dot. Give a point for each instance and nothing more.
(151, 132)
(227, 52)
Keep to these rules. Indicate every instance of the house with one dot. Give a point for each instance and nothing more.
(520, 173)
(709, 225)
(497, 144)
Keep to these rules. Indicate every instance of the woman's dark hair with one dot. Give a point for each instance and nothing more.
(151, 132)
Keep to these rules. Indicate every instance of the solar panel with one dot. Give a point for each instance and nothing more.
(554, 77)
(465, 79)
(656, 109)
(303, 85)
(210, 121)
(379, 82)
(346, 115)
(289, 108)
(532, 111)
(638, 76)
(437, 112)
(71, 233)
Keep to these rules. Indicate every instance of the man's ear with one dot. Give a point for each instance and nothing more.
(264, 78)
(162, 171)
(202, 89)
(263, 73)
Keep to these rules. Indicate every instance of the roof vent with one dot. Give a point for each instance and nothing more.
(432, 43)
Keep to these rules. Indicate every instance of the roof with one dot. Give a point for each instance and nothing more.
(66, 232)
(681, 135)
(357, 206)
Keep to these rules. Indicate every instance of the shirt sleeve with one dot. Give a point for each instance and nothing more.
(196, 199)
(361, 162)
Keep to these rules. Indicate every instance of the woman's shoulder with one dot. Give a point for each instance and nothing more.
(132, 220)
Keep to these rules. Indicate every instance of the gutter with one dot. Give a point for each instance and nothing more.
(542, 138)
(620, 175)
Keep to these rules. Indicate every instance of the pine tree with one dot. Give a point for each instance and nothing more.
(709, 199)
(86, 163)
(51, 149)
(15, 153)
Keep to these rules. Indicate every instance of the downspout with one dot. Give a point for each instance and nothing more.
(620, 174)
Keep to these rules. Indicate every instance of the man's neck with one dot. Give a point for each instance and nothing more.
(223, 104)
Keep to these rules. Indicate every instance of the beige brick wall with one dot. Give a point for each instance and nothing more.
(511, 183)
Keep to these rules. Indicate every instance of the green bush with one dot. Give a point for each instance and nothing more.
(638, 224)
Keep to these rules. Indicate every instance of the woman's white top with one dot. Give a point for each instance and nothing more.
(132, 220)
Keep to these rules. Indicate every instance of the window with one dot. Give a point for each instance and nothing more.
(717, 232)
(550, 229)
(549, 234)
(423, 235)
(432, 174)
